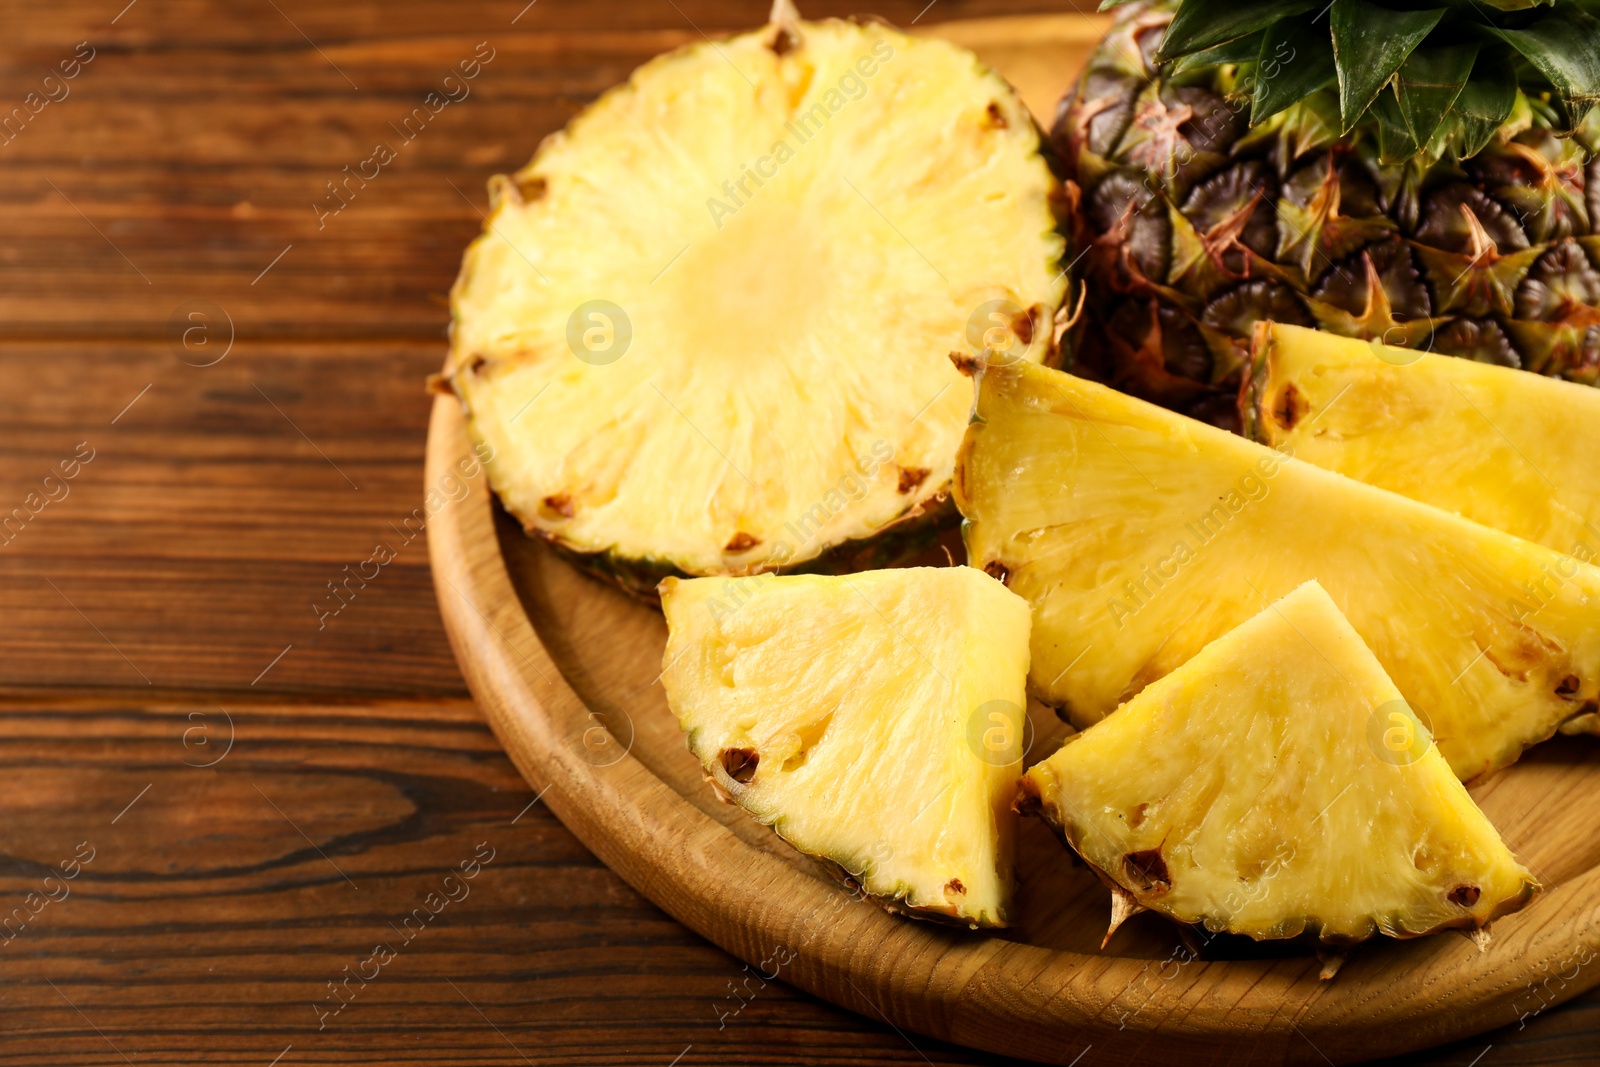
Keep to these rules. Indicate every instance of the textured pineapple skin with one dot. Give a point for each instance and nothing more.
(789, 312)
(1505, 448)
(1243, 792)
(1195, 227)
(852, 714)
(902, 541)
(1139, 536)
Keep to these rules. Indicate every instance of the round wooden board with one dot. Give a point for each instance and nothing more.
(566, 668)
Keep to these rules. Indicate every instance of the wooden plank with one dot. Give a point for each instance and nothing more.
(212, 906)
(191, 548)
(175, 171)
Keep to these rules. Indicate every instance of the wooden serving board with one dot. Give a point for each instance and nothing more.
(566, 669)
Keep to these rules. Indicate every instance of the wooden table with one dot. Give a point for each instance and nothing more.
(248, 791)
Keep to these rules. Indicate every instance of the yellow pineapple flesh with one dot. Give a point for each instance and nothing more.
(705, 329)
(1277, 785)
(1503, 447)
(1139, 536)
(873, 720)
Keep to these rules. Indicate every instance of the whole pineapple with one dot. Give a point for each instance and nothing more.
(1424, 177)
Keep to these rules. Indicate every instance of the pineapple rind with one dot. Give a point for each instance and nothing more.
(1139, 536)
(1509, 449)
(786, 389)
(858, 695)
(1250, 771)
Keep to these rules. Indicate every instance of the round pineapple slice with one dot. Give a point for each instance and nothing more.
(706, 330)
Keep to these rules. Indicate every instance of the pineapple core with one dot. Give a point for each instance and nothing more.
(873, 720)
(1507, 448)
(706, 329)
(1139, 536)
(1277, 785)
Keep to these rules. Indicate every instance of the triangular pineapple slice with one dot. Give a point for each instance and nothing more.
(873, 720)
(1510, 449)
(1278, 786)
(704, 330)
(1140, 536)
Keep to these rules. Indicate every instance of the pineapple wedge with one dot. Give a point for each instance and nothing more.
(705, 329)
(1139, 536)
(873, 720)
(1278, 786)
(1503, 447)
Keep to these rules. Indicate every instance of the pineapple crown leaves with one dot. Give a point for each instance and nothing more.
(1430, 77)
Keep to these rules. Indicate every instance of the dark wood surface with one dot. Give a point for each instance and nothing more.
(166, 603)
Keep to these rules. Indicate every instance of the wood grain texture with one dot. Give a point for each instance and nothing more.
(206, 927)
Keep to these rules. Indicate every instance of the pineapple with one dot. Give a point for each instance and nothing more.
(1421, 177)
(705, 329)
(873, 720)
(1140, 535)
(1503, 447)
(1278, 786)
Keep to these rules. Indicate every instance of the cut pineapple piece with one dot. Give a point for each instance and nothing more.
(705, 330)
(873, 720)
(1139, 536)
(1503, 447)
(1277, 786)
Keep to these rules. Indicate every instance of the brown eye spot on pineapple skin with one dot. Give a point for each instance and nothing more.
(954, 888)
(561, 504)
(1022, 327)
(783, 42)
(965, 363)
(998, 571)
(1291, 407)
(1569, 686)
(1028, 802)
(1136, 816)
(739, 763)
(996, 118)
(532, 188)
(1465, 895)
(741, 542)
(911, 477)
(1147, 870)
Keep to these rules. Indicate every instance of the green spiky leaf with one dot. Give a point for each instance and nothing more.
(1369, 44)
(1428, 83)
(1296, 59)
(1566, 50)
(1241, 50)
(1483, 104)
(1395, 142)
(1203, 24)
